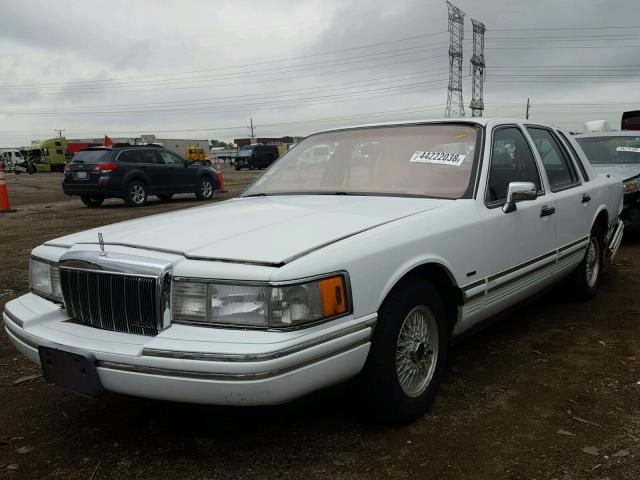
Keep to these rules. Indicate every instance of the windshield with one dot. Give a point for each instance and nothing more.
(418, 160)
(610, 150)
(245, 152)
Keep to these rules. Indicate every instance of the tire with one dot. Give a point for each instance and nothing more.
(411, 305)
(91, 201)
(586, 277)
(205, 190)
(165, 197)
(136, 194)
(31, 169)
(252, 166)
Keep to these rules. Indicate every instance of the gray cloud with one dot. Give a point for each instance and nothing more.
(181, 59)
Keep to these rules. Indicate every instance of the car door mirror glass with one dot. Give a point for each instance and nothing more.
(519, 192)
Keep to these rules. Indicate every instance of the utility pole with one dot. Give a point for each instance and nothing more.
(59, 132)
(478, 67)
(455, 105)
(527, 114)
(251, 128)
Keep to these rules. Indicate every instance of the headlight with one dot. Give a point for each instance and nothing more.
(44, 278)
(631, 186)
(259, 306)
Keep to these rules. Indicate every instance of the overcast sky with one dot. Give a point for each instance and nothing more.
(202, 69)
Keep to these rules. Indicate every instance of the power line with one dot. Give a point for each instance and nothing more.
(251, 64)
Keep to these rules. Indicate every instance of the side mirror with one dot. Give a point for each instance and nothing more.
(187, 163)
(519, 192)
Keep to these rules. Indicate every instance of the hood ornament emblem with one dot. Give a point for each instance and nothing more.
(101, 242)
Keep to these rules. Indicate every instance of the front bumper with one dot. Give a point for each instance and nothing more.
(199, 364)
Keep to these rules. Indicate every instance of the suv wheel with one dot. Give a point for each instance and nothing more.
(91, 202)
(205, 189)
(136, 194)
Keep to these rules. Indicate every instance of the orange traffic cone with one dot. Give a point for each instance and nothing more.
(220, 176)
(4, 195)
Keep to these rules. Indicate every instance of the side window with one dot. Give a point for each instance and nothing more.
(511, 161)
(555, 159)
(169, 158)
(129, 156)
(149, 156)
(576, 157)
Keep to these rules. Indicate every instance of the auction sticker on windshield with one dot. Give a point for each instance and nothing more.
(628, 149)
(441, 158)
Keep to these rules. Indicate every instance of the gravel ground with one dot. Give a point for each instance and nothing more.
(550, 391)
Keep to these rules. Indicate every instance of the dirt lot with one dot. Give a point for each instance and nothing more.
(552, 391)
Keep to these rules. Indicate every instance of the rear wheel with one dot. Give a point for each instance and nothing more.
(165, 197)
(136, 194)
(408, 353)
(205, 189)
(586, 276)
(92, 201)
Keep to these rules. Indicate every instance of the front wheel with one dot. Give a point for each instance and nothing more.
(91, 201)
(408, 353)
(205, 189)
(136, 194)
(586, 276)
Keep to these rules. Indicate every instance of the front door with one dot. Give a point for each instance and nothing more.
(182, 175)
(519, 245)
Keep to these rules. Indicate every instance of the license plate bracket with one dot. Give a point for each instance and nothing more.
(70, 370)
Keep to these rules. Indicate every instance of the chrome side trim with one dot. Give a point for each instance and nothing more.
(616, 240)
(226, 376)
(553, 257)
(233, 357)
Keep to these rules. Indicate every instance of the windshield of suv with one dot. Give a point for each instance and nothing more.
(245, 152)
(416, 160)
(609, 150)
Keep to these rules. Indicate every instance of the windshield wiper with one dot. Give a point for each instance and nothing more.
(255, 195)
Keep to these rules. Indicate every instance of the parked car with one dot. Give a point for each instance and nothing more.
(256, 156)
(133, 172)
(314, 277)
(617, 154)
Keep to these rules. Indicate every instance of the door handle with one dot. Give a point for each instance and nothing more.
(586, 198)
(546, 211)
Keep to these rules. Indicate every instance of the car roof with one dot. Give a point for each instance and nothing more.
(119, 147)
(615, 133)
(482, 121)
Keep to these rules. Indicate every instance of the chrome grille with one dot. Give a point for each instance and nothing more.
(111, 301)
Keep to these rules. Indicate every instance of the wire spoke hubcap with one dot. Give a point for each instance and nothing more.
(593, 262)
(417, 351)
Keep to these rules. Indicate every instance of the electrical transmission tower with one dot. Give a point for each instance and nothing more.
(455, 105)
(478, 66)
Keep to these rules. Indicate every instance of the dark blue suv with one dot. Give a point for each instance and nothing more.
(133, 172)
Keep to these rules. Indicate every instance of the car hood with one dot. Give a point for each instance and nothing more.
(619, 171)
(262, 230)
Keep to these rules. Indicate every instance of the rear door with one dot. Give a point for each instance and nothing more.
(81, 170)
(572, 203)
(158, 172)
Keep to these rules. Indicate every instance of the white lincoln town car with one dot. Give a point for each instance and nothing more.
(363, 263)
